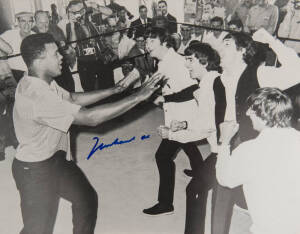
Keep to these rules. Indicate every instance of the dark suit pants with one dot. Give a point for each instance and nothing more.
(165, 156)
(41, 184)
(222, 207)
(196, 196)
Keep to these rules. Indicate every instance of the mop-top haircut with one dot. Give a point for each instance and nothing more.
(162, 35)
(255, 53)
(33, 46)
(205, 54)
(272, 106)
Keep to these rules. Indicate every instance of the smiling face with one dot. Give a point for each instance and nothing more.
(196, 69)
(163, 8)
(25, 24)
(42, 22)
(51, 60)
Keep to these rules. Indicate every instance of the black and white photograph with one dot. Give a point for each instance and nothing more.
(150, 116)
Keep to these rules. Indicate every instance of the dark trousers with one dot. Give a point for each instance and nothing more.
(41, 184)
(165, 156)
(196, 196)
(222, 207)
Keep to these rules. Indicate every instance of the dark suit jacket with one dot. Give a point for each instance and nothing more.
(172, 25)
(141, 29)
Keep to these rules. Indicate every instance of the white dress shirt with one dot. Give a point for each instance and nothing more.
(173, 67)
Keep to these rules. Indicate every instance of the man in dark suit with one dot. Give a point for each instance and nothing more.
(143, 20)
(162, 5)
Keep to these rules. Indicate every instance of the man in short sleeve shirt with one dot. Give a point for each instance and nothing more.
(43, 114)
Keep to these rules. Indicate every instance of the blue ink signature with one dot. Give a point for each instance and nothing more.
(115, 142)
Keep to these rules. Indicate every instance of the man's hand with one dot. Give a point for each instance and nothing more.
(177, 125)
(159, 100)
(262, 35)
(228, 130)
(163, 131)
(150, 86)
(128, 81)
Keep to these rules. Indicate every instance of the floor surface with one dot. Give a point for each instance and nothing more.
(125, 177)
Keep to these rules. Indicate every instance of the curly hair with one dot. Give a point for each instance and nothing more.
(205, 54)
(272, 106)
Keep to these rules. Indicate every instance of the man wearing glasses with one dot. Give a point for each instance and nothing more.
(14, 37)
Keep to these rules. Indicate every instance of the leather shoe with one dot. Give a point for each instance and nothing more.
(159, 209)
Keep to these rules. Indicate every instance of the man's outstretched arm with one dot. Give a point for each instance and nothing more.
(102, 113)
(85, 99)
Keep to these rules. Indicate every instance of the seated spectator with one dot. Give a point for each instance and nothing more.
(242, 10)
(290, 26)
(236, 25)
(186, 37)
(262, 15)
(267, 167)
(42, 25)
(143, 63)
(14, 38)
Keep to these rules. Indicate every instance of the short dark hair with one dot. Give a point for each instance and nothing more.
(272, 106)
(163, 35)
(34, 45)
(217, 19)
(142, 7)
(236, 22)
(72, 3)
(255, 52)
(205, 54)
(162, 1)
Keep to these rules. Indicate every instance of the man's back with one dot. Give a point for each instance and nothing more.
(269, 170)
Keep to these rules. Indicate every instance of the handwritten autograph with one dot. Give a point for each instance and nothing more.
(115, 142)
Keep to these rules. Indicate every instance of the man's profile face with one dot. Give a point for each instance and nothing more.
(42, 23)
(153, 46)
(25, 23)
(52, 60)
(195, 68)
(163, 7)
(228, 52)
(257, 123)
(143, 13)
